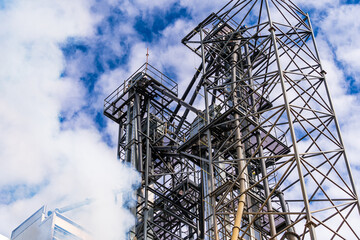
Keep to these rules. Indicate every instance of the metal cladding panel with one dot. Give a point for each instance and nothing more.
(30, 225)
(55, 226)
(69, 228)
(2, 237)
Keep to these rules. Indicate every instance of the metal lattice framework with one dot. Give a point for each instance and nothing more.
(264, 159)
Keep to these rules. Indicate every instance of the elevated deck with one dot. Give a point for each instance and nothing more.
(116, 104)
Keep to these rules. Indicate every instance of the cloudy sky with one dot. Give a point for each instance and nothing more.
(59, 59)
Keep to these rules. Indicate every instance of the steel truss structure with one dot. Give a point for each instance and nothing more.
(263, 159)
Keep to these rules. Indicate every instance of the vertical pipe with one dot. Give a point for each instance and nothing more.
(310, 223)
(129, 157)
(208, 133)
(261, 150)
(128, 134)
(266, 187)
(284, 208)
(138, 141)
(137, 145)
(242, 168)
(121, 130)
(201, 229)
(148, 154)
(335, 119)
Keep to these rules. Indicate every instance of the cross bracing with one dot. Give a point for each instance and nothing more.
(263, 159)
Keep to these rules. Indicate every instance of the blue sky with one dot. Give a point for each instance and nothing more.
(147, 29)
(60, 60)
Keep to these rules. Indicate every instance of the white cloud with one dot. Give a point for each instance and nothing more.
(337, 44)
(64, 166)
(40, 19)
(317, 5)
(342, 30)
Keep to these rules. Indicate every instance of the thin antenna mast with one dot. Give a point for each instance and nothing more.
(147, 58)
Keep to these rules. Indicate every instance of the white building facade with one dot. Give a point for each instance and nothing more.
(39, 226)
(2, 237)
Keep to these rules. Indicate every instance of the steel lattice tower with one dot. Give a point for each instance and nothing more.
(263, 159)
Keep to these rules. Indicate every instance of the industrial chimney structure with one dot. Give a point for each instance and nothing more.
(263, 159)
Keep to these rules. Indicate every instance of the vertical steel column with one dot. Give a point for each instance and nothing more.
(208, 133)
(335, 118)
(309, 223)
(148, 159)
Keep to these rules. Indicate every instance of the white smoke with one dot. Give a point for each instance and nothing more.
(42, 163)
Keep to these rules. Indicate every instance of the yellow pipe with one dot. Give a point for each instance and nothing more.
(239, 214)
(240, 154)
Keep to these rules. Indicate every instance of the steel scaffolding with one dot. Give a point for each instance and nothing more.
(263, 159)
